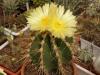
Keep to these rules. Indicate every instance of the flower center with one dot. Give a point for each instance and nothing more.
(58, 25)
(45, 21)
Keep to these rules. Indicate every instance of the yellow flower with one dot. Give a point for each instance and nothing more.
(2, 72)
(53, 18)
(62, 23)
(38, 18)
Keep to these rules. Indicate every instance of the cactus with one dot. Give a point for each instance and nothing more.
(50, 49)
(10, 6)
(50, 55)
(77, 6)
(85, 56)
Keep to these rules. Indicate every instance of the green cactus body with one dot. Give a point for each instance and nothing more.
(51, 56)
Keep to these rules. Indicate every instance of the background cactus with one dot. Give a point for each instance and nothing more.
(10, 6)
(85, 56)
(51, 56)
(77, 6)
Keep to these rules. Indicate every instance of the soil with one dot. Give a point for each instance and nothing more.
(12, 56)
(30, 69)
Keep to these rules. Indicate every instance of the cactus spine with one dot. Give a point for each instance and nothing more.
(51, 56)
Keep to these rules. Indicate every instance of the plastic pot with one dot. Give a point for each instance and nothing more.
(86, 45)
(83, 71)
(96, 51)
(16, 33)
(6, 42)
(4, 45)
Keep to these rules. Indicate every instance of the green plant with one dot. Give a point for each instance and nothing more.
(77, 6)
(85, 56)
(50, 54)
(50, 49)
(10, 6)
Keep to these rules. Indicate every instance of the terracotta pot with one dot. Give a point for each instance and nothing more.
(23, 66)
(75, 69)
(7, 70)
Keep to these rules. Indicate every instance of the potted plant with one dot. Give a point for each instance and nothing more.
(12, 56)
(84, 60)
(12, 18)
(50, 52)
(9, 62)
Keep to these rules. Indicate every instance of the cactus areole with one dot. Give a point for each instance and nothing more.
(50, 51)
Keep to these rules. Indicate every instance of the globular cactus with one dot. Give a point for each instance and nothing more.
(50, 51)
(50, 55)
